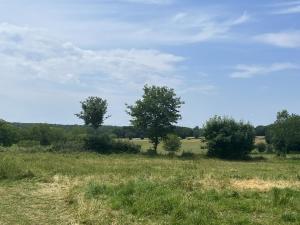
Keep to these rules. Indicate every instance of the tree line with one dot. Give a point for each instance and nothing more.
(155, 116)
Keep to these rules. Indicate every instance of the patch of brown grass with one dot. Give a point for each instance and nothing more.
(263, 185)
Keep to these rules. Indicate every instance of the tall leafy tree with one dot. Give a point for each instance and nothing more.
(8, 134)
(156, 112)
(284, 134)
(93, 112)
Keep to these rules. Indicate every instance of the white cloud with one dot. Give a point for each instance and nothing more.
(43, 78)
(288, 39)
(288, 7)
(27, 53)
(33, 56)
(248, 71)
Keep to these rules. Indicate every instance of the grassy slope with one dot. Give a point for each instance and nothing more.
(48, 188)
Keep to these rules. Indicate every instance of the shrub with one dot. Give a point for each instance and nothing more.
(45, 134)
(228, 139)
(106, 145)
(68, 146)
(100, 144)
(172, 143)
(125, 147)
(261, 147)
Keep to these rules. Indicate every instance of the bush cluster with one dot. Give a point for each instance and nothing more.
(106, 145)
(229, 139)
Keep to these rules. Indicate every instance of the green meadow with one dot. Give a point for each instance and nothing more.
(89, 188)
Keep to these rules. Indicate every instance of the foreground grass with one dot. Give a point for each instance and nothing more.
(48, 188)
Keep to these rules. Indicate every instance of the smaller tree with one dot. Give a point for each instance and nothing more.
(41, 133)
(196, 132)
(172, 143)
(229, 139)
(93, 111)
(8, 134)
(156, 113)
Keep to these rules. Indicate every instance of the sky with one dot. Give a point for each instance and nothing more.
(229, 58)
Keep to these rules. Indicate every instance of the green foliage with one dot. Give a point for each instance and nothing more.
(172, 143)
(183, 132)
(197, 132)
(260, 130)
(8, 134)
(104, 144)
(228, 139)
(28, 143)
(261, 146)
(45, 134)
(68, 146)
(93, 111)
(98, 143)
(284, 134)
(156, 113)
(125, 147)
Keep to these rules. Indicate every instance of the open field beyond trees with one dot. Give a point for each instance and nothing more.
(88, 188)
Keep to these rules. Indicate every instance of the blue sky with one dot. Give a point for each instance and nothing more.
(237, 58)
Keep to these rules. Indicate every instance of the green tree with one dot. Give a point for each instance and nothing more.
(283, 115)
(8, 134)
(284, 134)
(229, 139)
(93, 111)
(41, 133)
(156, 113)
(196, 132)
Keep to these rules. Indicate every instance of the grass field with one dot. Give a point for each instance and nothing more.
(86, 188)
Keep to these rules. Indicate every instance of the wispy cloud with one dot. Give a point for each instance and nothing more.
(28, 53)
(164, 29)
(249, 71)
(185, 28)
(287, 39)
(288, 7)
(32, 54)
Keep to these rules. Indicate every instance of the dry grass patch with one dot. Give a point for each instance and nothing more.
(263, 185)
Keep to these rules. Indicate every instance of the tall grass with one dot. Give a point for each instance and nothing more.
(13, 169)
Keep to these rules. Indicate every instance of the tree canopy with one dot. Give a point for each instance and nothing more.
(93, 111)
(156, 112)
